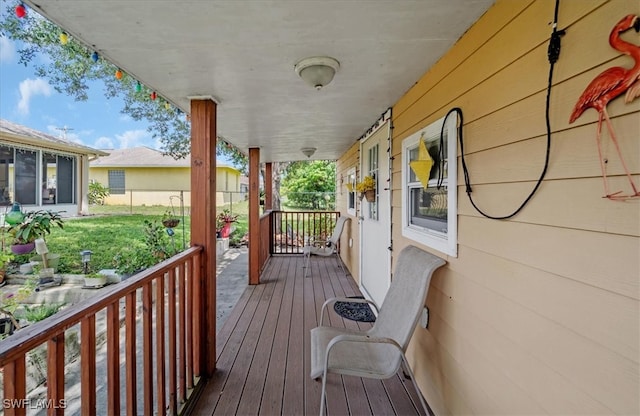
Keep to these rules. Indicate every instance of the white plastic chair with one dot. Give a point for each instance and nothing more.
(378, 352)
(325, 248)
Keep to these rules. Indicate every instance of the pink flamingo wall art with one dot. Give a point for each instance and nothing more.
(610, 84)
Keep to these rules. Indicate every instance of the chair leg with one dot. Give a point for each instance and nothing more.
(339, 260)
(324, 393)
(307, 263)
(407, 369)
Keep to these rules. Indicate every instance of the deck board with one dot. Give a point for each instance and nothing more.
(263, 360)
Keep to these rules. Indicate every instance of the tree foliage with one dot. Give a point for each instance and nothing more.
(70, 69)
(310, 184)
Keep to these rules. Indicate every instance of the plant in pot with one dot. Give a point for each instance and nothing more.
(223, 223)
(170, 220)
(95, 280)
(35, 224)
(367, 188)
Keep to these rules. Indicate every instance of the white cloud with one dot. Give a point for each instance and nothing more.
(103, 143)
(30, 88)
(7, 50)
(132, 138)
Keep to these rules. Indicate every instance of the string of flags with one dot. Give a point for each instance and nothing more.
(21, 13)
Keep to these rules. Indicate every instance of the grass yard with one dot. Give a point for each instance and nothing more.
(104, 236)
(112, 228)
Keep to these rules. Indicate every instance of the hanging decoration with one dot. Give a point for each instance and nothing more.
(118, 74)
(423, 164)
(167, 106)
(138, 86)
(607, 86)
(21, 11)
(153, 96)
(95, 56)
(64, 38)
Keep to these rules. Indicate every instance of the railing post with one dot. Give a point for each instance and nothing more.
(88, 364)
(16, 392)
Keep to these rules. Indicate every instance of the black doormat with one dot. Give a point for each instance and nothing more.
(360, 312)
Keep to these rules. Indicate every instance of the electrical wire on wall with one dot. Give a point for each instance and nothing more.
(553, 52)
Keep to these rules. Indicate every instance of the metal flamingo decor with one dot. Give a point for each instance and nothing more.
(608, 85)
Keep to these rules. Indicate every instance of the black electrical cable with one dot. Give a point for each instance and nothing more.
(553, 52)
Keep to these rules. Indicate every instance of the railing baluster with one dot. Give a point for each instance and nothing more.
(113, 359)
(171, 302)
(16, 392)
(182, 385)
(189, 323)
(198, 312)
(88, 364)
(55, 374)
(130, 350)
(187, 354)
(160, 358)
(147, 356)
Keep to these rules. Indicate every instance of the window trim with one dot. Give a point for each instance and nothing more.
(446, 243)
(352, 196)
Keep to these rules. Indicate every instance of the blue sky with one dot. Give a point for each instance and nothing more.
(30, 101)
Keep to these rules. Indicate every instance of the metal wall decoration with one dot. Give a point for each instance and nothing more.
(607, 86)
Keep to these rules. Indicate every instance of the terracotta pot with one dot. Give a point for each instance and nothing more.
(370, 196)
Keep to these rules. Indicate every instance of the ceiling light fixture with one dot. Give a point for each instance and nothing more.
(308, 151)
(317, 71)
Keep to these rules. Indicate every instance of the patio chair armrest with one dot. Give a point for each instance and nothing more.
(331, 301)
(362, 338)
(357, 338)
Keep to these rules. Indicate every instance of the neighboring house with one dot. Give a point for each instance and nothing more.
(41, 171)
(145, 176)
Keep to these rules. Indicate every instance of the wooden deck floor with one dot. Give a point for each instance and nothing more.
(263, 351)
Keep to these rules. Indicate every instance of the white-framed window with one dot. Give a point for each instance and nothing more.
(430, 214)
(351, 188)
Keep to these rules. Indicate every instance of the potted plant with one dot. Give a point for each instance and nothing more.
(36, 224)
(223, 223)
(367, 188)
(95, 280)
(169, 220)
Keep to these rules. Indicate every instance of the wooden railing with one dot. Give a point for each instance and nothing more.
(292, 229)
(266, 238)
(163, 301)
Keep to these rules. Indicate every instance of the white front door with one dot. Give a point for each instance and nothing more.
(375, 217)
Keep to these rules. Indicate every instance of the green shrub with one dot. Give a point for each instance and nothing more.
(39, 312)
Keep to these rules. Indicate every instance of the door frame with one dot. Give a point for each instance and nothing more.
(384, 185)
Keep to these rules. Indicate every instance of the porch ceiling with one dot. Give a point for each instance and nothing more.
(243, 54)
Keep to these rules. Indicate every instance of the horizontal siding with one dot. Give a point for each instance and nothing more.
(350, 255)
(538, 314)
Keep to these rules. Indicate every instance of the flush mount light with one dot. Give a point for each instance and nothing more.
(317, 71)
(308, 151)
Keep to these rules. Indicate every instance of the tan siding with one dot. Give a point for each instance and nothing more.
(538, 314)
(350, 255)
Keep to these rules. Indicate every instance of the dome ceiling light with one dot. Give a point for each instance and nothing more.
(317, 71)
(308, 151)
